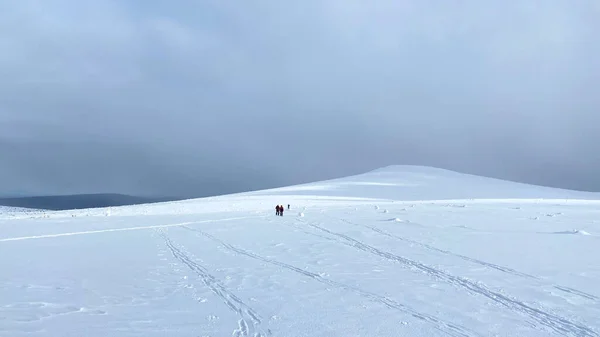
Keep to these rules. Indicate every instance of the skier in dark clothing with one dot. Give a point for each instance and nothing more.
(277, 210)
(281, 210)
(288, 206)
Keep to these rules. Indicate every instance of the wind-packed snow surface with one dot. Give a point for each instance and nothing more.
(401, 251)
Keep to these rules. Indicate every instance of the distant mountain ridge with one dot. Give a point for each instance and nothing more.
(78, 201)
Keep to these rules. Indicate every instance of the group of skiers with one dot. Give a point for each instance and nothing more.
(279, 209)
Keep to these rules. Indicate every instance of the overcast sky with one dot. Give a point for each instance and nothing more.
(195, 97)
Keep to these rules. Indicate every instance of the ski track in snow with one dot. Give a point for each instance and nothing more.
(47, 236)
(576, 292)
(244, 311)
(445, 327)
(424, 245)
(556, 323)
(470, 259)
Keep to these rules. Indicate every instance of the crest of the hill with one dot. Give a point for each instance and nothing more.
(410, 182)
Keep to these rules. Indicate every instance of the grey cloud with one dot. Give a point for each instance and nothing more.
(211, 97)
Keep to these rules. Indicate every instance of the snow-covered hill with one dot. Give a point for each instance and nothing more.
(400, 251)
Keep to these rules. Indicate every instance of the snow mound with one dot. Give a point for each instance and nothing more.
(419, 183)
(574, 232)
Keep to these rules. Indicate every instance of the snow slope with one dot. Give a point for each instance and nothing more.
(400, 251)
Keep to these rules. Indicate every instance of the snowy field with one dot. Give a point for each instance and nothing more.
(400, 251)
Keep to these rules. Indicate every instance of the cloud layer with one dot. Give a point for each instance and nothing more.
(209, 97)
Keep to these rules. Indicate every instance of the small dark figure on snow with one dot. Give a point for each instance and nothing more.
(288, 206)
(281, 210)
(277, 210)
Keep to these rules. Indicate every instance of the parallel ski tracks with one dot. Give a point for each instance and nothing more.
(545, 319)
(244, 311)
(445, 327)
(556, 323)
(480, 262)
